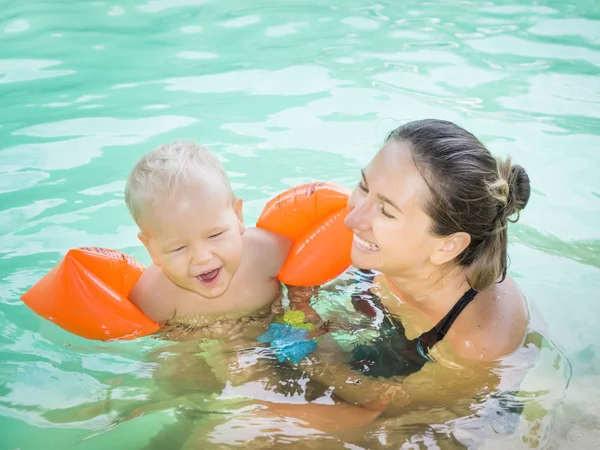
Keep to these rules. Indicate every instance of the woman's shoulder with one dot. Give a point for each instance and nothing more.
(493, 325)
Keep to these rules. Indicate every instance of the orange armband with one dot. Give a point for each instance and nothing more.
(86, 294)
(312, 216)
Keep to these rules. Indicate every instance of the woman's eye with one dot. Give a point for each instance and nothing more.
(383, 211)
(362, 187)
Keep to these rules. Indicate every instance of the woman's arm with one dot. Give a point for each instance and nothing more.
(299, 297)
(338, 416)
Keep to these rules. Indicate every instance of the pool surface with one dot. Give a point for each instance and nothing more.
(285, 92)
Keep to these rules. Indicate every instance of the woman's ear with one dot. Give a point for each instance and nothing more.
(145, 239)
(450, 247)
(237, 206)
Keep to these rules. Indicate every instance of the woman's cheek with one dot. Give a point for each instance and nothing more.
(387, 233)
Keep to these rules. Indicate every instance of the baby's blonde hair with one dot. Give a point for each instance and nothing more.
(166, 170)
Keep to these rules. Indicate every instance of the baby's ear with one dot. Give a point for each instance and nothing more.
(145, 239)
(238, 204)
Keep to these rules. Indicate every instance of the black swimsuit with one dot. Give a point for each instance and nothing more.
(391, 353)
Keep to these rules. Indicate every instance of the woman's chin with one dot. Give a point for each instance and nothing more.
(364, 262)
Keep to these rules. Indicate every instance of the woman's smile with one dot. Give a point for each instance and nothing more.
(364, 246)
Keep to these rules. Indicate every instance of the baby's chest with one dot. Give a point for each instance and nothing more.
(239, 300)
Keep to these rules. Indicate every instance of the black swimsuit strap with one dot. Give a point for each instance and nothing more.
(437, 333)
(391, 353)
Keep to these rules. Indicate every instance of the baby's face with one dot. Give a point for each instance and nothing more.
(197, 240)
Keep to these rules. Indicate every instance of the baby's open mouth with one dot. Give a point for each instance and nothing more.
(209, 277)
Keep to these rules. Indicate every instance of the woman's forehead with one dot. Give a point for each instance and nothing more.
(392, 174)
(396, 154)
(393, 170)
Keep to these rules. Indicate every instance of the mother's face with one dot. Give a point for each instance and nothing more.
(391, 229)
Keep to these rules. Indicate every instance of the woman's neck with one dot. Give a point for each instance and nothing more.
(434, 293)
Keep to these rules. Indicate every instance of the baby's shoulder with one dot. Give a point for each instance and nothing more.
(266, 248)
(259, 236)
(150, 292)
(151, 278)
(265, 242)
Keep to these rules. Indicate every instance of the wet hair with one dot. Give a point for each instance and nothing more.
(470, 191)
(168, 170)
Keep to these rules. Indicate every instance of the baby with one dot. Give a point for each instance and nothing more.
(207, 266)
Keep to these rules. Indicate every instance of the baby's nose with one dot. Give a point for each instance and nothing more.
(201, 256)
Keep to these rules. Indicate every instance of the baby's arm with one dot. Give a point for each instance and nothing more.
(272, 250)
(153, 295)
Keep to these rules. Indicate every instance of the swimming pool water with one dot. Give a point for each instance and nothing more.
(285, 92)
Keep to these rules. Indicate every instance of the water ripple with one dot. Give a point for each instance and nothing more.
(20, 70)
(517, 46)
(300, 80)
(584, 28)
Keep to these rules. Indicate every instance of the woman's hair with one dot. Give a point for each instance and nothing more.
(470, 191)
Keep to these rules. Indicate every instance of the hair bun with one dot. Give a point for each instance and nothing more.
(519, 190)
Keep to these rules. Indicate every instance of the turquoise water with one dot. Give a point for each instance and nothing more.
(285, 92)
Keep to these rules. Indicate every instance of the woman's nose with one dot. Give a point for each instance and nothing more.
(358, 217)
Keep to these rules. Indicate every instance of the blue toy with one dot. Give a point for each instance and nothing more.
(289, 337)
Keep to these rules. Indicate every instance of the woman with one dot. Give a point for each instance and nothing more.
(430, 213)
